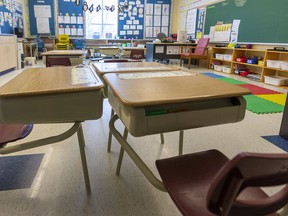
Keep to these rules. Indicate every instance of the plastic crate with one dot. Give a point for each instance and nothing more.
(219, 56)
(218, 67)
(276, 80)
(227, 57)
(274, 63)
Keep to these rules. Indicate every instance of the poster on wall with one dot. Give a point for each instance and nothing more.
(157, 18)
(70, 18)
(11, 16)
(131, 19)
(191, 22)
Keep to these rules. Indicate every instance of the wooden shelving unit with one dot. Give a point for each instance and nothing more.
(239, 52)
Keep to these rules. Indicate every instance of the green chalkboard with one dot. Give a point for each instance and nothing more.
(262, 21)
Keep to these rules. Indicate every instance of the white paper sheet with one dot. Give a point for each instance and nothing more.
(42, 25)
(42, 11)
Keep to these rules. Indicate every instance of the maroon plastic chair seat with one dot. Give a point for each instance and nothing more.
(137, 54)
(13, 132)
(52, 62)
(208, 183)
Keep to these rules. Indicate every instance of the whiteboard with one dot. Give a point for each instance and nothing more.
(191, 21)
(42, 11)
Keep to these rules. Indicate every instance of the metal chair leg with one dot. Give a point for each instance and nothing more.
(83, 158)
(110, 134)
(120, 158)
(162, 138)
(181, 138)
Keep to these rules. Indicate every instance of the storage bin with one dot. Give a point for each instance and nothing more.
(274, 63)
(276, 80)
(218, 67)
(225, 69)
(219, 56)
(227, 57)
(284, 65)
(240, 59)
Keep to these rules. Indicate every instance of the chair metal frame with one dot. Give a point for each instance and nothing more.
(77, 127)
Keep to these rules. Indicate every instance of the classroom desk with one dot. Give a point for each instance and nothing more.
(52, 95)
(135, 67)
(126, 67)
(164, 104)
(76, 55)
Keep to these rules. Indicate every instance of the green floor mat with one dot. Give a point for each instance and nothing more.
(232, 81)
(261, 106)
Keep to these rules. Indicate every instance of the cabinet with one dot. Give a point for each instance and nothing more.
(164, 51)
(8, 52)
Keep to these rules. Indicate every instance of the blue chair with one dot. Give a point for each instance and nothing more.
(78, 44)
(40, 45)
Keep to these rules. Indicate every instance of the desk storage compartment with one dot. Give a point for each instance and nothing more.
(141, 121)
(81, 106)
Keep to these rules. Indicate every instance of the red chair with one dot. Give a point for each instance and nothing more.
(208, 183)
(200, 52)
(137, 54)
(52, 62)
(13, 132)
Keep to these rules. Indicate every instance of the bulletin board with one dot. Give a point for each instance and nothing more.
(41, 15)
(11, 16)
(131, 19)
(70, 19)
(200, 23)
(157, 18)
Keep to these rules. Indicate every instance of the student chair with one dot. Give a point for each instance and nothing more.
(78, 44)
(137, 54)
(209, 183)
(52, 62)
(200, 52)
(63, 42)
(13, 132)
(40, 46)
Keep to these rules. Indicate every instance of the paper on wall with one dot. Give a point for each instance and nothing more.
(42, 25)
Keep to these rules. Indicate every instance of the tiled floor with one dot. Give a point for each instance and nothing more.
(58, 188)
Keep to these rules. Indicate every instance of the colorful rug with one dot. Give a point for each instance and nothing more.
(18, 172)
(276, 98)
(261, 100)
(278, 141)
(212, 75)
(261, 106)
(256, 90)
(232, 81)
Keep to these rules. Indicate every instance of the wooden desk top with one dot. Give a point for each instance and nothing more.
(164, 90)
(133, 48)
(64, 53)
(128, 67)
(51, 80)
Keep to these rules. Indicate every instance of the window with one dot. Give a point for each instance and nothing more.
(102, 22)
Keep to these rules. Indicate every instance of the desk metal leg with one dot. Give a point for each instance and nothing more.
(162, 138)
(83, 158)
(135, 157)
(120, 158)
(181, 138)
(110, 134)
